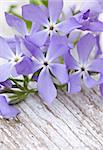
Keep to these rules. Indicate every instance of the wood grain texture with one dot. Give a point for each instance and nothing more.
(72, 122)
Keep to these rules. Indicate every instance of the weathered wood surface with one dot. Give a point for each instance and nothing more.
(73, 122)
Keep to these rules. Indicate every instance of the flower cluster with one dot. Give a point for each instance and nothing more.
(56, 52)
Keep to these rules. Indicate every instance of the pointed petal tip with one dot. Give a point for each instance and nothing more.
(7, 111)
(46, 88)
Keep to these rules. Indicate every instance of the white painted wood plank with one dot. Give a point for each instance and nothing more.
(72, 122)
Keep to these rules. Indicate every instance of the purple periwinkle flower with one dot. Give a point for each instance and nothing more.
(48, 65)
(88, 22)
(7, 111)
(47, 19)
(12, 59)
(49, 52)
(82, 68)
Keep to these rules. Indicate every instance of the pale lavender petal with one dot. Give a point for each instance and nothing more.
(35, 28)
(98, 45)
(7, 111)
(100, 81)
(11, 42)
(25, 67)
(74, 84)
(68, 25)
(25, 47)
(70, 62)
(89, 81)
(7, 84)
(96, 26)
(37, 65)
(38, 38)
(57, 47)
(97, 65)
(60, 72)
(55, 8)
(18, 47)
(45, 10)
(5, 71)
(101, 89)
(14, 73)
(85, 46)
(32, 50)
(46, 87)
(16, 23)
(5, 51)
(34, 14)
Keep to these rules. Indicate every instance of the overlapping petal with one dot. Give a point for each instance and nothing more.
(74, 84)
(39, 38)
(70, 62)
(60, 72)
(7, 111)
(5, 71)
(85, 46)
(25, 67)
(32, 50)
(57, 47)
(16, 23)
(89, 81)
(5, 51)
(68, 25)
(97, 65)
(34, 14)
(7, 84)
(101, 89)
(96, 26)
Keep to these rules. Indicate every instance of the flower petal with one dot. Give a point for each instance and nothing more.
(5, 71)
(85, 46)
(37, 65)
(18, 51)
(97, 65)
(74, 84)
(5, 51)
(7, 84)
(57, 47)
(96, 26)
(70, 62)
(46, 87)
(7, 111)
(55, 8)
(101, 89)
(89, 81)
(68, 25)
(25, 67)
(34, 14)
(32, 50)
(38, 38)
(35, 28)
(17, 23)
(98, 45)
(59, 71)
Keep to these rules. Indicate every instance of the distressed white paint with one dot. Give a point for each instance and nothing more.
(72, 122)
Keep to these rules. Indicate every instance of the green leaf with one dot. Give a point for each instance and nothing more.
(39, 2)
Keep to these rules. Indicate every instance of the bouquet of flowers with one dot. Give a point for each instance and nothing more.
(56, 51)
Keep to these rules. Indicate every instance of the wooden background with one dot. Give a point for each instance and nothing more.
(72, 122)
